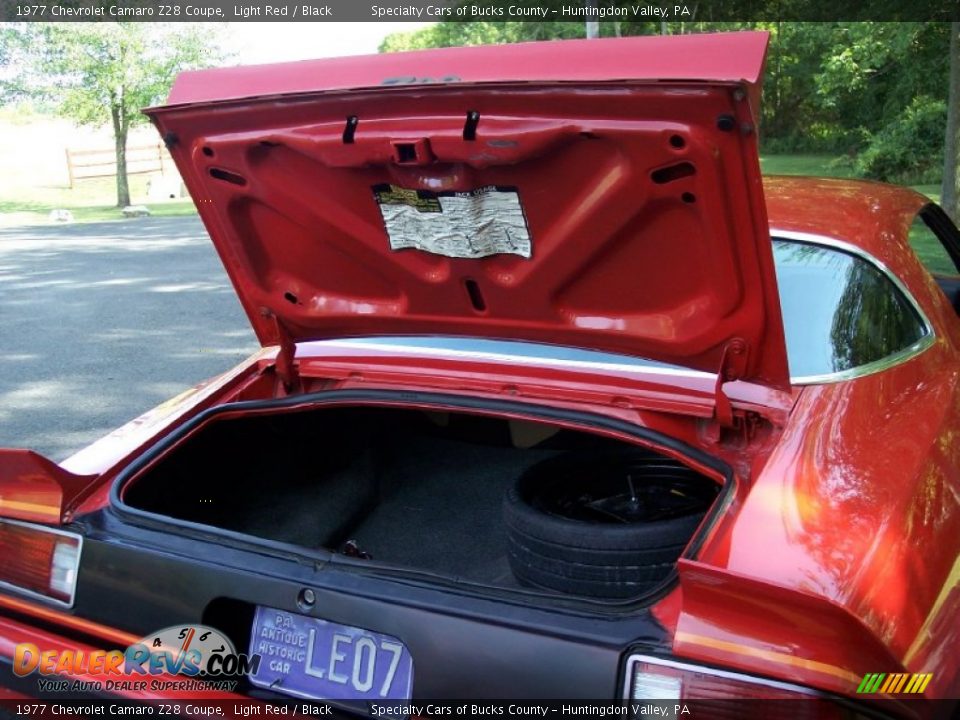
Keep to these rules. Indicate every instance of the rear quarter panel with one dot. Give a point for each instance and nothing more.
(857, 509)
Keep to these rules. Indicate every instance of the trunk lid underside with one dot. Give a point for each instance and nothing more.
(621, 213)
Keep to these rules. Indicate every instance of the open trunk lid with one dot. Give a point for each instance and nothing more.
(593, 194)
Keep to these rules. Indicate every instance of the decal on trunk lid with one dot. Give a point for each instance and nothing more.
(475, 224)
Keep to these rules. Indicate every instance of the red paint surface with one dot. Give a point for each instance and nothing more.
(36, 489)
(643, 199)
(847, 541)
(716, 58)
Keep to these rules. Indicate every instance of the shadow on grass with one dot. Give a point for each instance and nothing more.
(28, 212)
(20, 206)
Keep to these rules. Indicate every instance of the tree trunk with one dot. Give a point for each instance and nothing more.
(951, 146)
(120, 140)
(593, 25)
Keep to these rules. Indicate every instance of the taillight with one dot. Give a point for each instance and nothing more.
(39, 560)
(727, 694)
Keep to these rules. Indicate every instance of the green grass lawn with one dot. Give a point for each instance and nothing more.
(931, 252)
(819, 165)
(823, 166)
(90, 200)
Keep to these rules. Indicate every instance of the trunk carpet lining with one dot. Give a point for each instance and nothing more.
(442, 510)
(436, 507)
(421, 490)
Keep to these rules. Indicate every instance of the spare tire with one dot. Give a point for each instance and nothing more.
(607, 526)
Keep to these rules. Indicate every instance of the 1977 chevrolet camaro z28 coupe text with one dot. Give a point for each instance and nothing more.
(557, 398)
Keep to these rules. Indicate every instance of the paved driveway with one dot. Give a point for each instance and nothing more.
(100, 322)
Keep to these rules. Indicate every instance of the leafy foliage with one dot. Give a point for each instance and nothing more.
(910, 147)
(93, 69)
(15, 41)
(450, 34)
(871, 91)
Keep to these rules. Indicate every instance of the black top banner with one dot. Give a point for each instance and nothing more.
(574, 11)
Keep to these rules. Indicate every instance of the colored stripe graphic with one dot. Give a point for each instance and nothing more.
(890, 679)
(901, 683)
(894, 683)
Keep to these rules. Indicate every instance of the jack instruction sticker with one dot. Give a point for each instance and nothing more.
(475, 224)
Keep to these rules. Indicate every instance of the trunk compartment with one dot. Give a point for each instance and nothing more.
(413, 489)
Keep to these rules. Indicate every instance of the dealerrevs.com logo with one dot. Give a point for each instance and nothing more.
(203, 656)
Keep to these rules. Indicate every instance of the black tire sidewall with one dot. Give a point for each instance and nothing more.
(584, 558)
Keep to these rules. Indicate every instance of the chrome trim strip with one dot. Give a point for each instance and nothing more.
(40, 596)
(639, 367)
(636, 659)
(924, 343)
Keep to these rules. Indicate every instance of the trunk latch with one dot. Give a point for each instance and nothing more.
(351, 548)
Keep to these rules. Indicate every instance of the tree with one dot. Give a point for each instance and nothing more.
(97, 73)
(951, 169)
(872, 71)
(874, 93)
(451, 34)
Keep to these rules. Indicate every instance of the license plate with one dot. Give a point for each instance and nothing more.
(320, 660)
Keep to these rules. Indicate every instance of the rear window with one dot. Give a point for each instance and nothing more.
(840, 312)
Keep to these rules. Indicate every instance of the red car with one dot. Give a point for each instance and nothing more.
(542, 412)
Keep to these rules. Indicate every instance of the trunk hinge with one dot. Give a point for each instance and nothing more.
(285, 365)
(733, 365)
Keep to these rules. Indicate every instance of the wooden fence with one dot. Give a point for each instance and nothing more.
(82, 164)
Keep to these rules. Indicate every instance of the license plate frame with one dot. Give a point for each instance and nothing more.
(317, 659)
